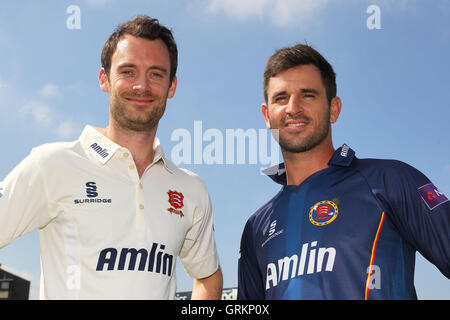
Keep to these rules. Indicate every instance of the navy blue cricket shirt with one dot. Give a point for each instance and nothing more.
(349, 231)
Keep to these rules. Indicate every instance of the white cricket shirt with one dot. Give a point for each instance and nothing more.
(105, 233)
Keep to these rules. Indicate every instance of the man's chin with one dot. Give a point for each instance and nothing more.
(136, 118)
(296, 148)
(299, 146)
(138, 126)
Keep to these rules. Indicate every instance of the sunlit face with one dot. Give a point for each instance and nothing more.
(298, 107)
(138, 83)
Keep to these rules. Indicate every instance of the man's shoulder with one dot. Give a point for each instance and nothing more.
(54, 150)
(184, 175)
(54, 157)
(388, 171)
(54, 146)
(381, 165)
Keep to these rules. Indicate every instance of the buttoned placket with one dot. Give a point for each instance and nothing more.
(139, 188)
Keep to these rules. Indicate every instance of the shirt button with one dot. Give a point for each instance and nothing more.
(131, 166)
(141, 206)
(141, 186)
(126, 154)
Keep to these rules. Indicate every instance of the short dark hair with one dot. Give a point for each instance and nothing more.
(141, 26)
(300, 54)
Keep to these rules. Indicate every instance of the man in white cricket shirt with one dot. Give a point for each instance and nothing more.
(113, 212)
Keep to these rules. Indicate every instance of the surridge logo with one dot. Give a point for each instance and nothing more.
(273, 225)
(272, 234)
(91, 189)
(91, 194)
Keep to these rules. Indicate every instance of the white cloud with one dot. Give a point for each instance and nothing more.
(68, 129)
(49, 91)
(39, 111)
(241, 10)
(282, 13)
(99, 3)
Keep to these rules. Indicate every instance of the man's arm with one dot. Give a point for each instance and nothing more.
(250, 280)
(24, 204)
(420, 212)
(209, 288)
(199, 253)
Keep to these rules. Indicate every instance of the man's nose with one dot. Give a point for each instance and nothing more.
(142, 84)
(294, 105)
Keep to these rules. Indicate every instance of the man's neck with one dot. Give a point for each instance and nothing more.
(140, 144)
(299, 166)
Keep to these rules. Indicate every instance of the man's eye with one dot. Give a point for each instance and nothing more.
(156, 75)
(127, 72)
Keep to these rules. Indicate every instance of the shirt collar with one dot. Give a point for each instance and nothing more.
(97, 145)
(160, 156)
(103, 149)
(342, 157)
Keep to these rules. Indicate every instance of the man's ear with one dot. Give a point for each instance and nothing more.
(172, 88)
(265, 112)
(103, 80)
(335, 109)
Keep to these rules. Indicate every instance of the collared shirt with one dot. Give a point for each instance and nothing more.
(349, 231)
(105, 233)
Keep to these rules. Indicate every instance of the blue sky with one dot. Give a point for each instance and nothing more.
(394, 84)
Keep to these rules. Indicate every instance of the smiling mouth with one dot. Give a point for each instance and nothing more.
(299, 124)
(295, 125)
(139, 101)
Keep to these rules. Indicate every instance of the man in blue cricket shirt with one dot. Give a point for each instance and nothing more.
(341, 227)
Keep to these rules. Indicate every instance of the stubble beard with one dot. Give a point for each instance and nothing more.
(314, 139)
(124, 118)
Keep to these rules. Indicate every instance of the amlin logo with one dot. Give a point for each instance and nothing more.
(91, 194)
(102, 152)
